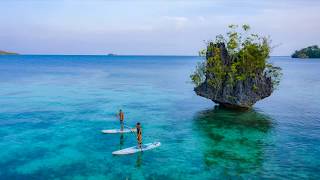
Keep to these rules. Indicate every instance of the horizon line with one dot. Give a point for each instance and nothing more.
(113, 55)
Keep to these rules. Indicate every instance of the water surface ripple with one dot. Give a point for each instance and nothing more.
(53, 108)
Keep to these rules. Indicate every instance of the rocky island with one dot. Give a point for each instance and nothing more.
(7, 53)
(235, 73)
(309, 52)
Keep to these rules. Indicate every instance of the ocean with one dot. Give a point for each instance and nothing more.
(53, 108)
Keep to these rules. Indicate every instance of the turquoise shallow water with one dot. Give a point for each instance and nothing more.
(53, 108)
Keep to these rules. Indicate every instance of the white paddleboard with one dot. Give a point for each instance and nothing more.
(118, 131)
(135, 149)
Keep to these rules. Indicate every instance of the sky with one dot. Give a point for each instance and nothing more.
(150, 27)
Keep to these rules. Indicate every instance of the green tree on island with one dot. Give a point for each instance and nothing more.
(236, 63)
(309, 52)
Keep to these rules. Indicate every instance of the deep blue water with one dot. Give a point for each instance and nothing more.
(52, 109)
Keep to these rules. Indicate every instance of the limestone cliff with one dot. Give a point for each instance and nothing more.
(242, 93)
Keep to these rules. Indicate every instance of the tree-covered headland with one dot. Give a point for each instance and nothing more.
(7, 53)
(309, 52)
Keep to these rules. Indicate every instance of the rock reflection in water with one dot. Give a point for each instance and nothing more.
(233, 139)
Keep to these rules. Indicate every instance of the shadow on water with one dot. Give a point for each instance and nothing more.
(139, 160)
(121, 141)
(232, 139)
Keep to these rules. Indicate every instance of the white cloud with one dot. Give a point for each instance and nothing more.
(201, 19)
(168, 27)
(178, 21)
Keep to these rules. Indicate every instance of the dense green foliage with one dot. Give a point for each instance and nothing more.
(248, 54)
(309, 52)
(199, 75)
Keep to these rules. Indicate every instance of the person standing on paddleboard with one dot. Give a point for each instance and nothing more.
(139, 134)
(121, 118)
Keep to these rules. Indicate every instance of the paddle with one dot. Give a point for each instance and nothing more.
(130, 129)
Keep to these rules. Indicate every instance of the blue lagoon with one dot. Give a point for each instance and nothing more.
(53, 109)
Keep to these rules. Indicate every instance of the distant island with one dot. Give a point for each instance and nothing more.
(309, 52)
(111, 54)
(7, 53)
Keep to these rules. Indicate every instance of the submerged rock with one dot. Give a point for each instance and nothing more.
(243, 93)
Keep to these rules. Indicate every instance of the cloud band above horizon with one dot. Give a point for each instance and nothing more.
(150, 28)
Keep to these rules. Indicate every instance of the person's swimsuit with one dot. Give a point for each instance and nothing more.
(121, 119)
(139, 136)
